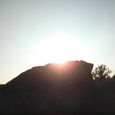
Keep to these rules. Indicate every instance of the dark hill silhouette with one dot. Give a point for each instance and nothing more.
(50, 89)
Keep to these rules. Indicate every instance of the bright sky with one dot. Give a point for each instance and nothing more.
(34, 32)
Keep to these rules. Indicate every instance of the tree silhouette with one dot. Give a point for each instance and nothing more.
(113, 76)
(101, 72)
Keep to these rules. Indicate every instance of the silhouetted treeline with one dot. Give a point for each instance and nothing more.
(101, 72)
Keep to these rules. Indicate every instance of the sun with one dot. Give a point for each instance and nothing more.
(58, 48)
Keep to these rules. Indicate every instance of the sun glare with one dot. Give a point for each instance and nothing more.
(58, 48)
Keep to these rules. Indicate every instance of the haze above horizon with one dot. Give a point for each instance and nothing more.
(36, 32)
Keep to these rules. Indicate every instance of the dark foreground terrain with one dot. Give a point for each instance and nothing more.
(57, 89)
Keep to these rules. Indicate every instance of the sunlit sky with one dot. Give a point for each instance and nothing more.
(35, 32)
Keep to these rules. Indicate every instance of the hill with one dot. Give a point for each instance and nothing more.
(50, 89)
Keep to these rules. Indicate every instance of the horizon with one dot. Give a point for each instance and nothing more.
(61, 64)
(39, 32)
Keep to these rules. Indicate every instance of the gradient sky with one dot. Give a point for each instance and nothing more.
(24, 24)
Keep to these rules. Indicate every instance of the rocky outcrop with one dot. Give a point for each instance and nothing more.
(50, 89)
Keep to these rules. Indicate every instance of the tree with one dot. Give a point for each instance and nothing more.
(101, 72)
(113, 76)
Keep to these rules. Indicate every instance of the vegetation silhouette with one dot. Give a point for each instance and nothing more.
(50, 89)
(101, 72)
(104, 86)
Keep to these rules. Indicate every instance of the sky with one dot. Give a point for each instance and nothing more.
(34, 32)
